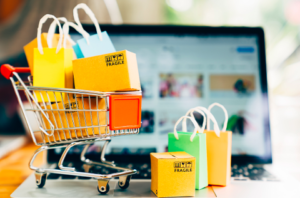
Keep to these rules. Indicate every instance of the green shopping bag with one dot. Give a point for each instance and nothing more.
(195, 145)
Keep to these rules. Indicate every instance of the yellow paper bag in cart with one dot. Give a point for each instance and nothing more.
(48, 40)
(218, 151)
(52, 66)
(76, 113)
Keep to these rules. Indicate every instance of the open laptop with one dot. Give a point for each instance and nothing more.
(182, 67)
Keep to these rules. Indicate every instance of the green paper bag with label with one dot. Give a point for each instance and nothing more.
(195, 145)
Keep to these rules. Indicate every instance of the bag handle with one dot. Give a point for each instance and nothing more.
(195, 130)
(209, 116)
(89, 12)
(51, 32)
(52, 27)
(73, 25)
(191, 111)
(225, 112)
(39, 32)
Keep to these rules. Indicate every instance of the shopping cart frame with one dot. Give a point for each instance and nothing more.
(43, 115)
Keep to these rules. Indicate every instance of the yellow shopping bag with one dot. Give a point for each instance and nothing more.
(49, 40)
(218, 151)
(52, 66)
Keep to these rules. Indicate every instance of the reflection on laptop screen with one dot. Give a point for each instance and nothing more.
(181, 72)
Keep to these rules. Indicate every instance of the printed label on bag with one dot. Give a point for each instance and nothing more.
(183, 166)
(117, 59)
(71, 105)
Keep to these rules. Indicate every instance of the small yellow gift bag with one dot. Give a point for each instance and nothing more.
(49, 40)
(52, 66)
(218, 151)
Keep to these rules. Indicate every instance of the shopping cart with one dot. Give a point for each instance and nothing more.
(71, 117)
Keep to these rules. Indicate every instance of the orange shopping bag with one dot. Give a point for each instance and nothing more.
(218, 151)
(52, 66)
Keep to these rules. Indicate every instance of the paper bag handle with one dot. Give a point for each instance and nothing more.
(225, 112)
(210, 116)
(39, 32)
(73, 25)
(193, 121)
(191, 111)
(89, 12)
(52, 30)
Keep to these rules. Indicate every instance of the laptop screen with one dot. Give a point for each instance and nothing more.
(179, 72)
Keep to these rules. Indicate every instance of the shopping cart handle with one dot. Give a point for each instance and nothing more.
(7, 70)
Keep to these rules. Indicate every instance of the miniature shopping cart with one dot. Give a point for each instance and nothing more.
(70, 117)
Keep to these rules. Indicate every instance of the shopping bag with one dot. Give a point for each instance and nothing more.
(96, 44)
(195, 145)
(218, 151)
(52, 66)
(49, 39)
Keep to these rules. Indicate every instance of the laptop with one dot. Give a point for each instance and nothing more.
(182, 67)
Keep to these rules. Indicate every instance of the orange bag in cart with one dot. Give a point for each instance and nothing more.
(218, 152)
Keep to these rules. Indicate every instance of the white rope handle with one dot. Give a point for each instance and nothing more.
(210, 116)
(225, 112)
(191, 111)
(51, 31)
(77, 28)
(52, 27)
(89, 12)
(39, 32)
(195, 130)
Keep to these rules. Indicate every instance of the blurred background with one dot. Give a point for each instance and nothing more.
(280, 20)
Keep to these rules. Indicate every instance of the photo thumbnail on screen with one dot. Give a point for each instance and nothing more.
(178, 85)
(232, 85)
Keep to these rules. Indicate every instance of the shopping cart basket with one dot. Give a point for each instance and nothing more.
(70, 117)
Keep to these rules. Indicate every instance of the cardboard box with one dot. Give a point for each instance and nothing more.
(173, 174)
(218, 157)
(117, 71)
(66, 119)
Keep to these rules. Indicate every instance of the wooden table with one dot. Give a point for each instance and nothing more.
(14, 168)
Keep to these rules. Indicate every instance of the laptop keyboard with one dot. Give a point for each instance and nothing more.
(250, 172)
(238, 173)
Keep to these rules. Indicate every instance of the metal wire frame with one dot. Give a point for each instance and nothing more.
(67, 115)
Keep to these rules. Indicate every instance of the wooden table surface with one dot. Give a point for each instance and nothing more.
(14, 168)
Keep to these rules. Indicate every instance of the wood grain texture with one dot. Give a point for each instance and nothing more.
(14, 168)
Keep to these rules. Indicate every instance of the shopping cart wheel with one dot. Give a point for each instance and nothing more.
(124, 182)
(103, 186)
(40, 179)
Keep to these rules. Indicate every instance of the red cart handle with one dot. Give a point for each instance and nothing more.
(7, 70)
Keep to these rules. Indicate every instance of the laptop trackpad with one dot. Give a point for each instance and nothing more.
(142, 188)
